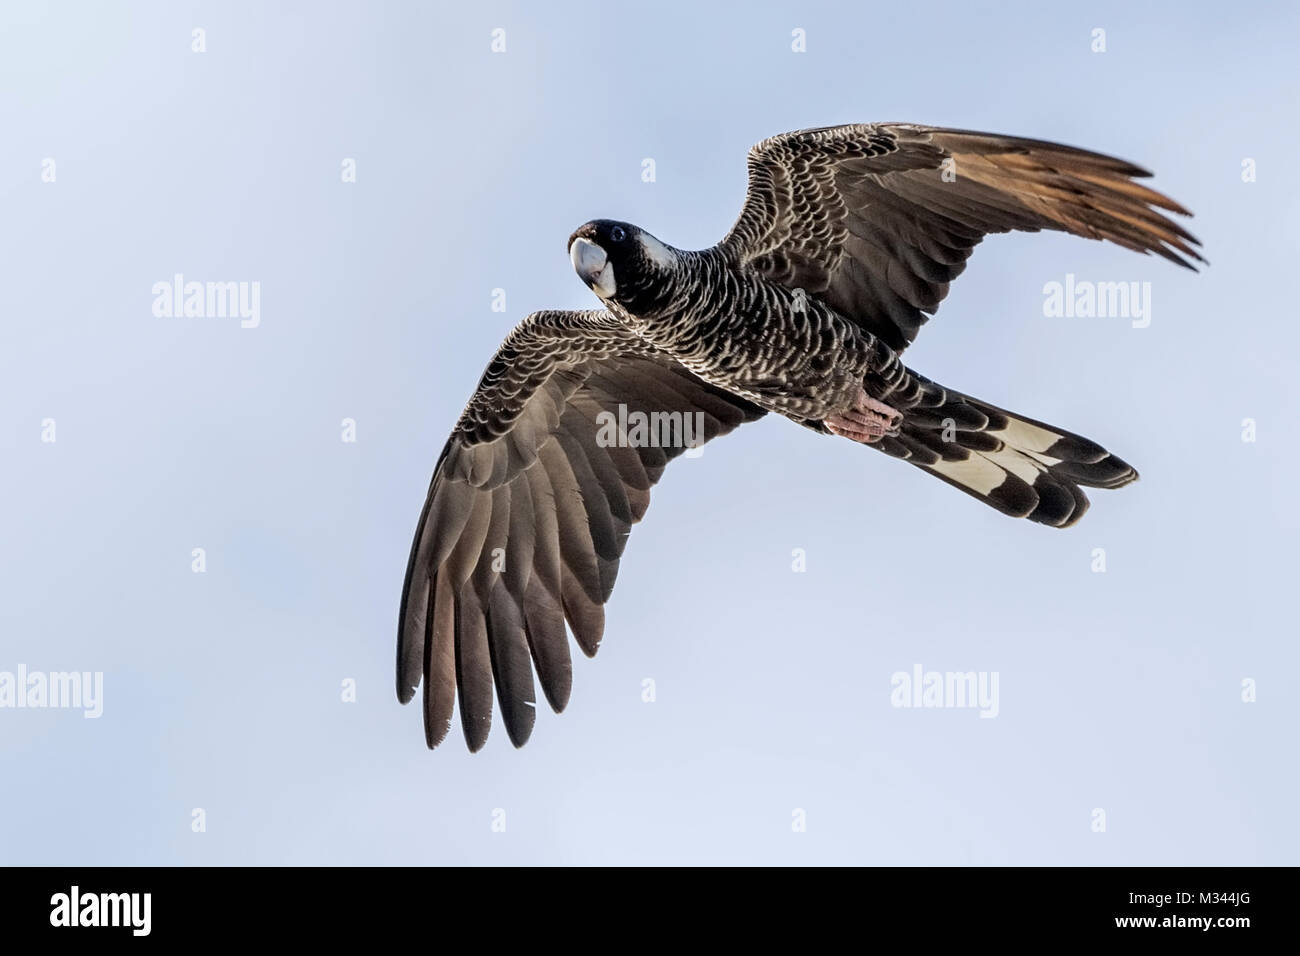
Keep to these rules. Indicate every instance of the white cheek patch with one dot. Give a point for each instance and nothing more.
(656, 251)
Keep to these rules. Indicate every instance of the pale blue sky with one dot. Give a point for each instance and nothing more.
(1119, 691)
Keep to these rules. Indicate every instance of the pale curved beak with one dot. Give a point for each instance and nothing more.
(593, 266)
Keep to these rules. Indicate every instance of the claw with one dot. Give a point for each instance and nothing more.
(866, 421)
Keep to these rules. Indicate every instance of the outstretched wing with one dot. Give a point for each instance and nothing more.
(529, 509)
(877, 219)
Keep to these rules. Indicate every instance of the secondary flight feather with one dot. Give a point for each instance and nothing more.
(845, 246)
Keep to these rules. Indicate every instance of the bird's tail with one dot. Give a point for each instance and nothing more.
(1021, 467)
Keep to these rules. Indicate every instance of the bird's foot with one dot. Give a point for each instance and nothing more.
(866, 421)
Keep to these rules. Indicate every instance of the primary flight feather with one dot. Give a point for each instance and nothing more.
(845, 246)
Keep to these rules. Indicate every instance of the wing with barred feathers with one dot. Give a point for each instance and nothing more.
(529, 510)
(877, 219)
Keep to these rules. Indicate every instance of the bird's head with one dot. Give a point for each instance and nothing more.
(623, 263)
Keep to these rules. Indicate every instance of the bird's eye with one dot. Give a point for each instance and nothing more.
(617, 234)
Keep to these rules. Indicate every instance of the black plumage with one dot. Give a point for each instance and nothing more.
(846, 244)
